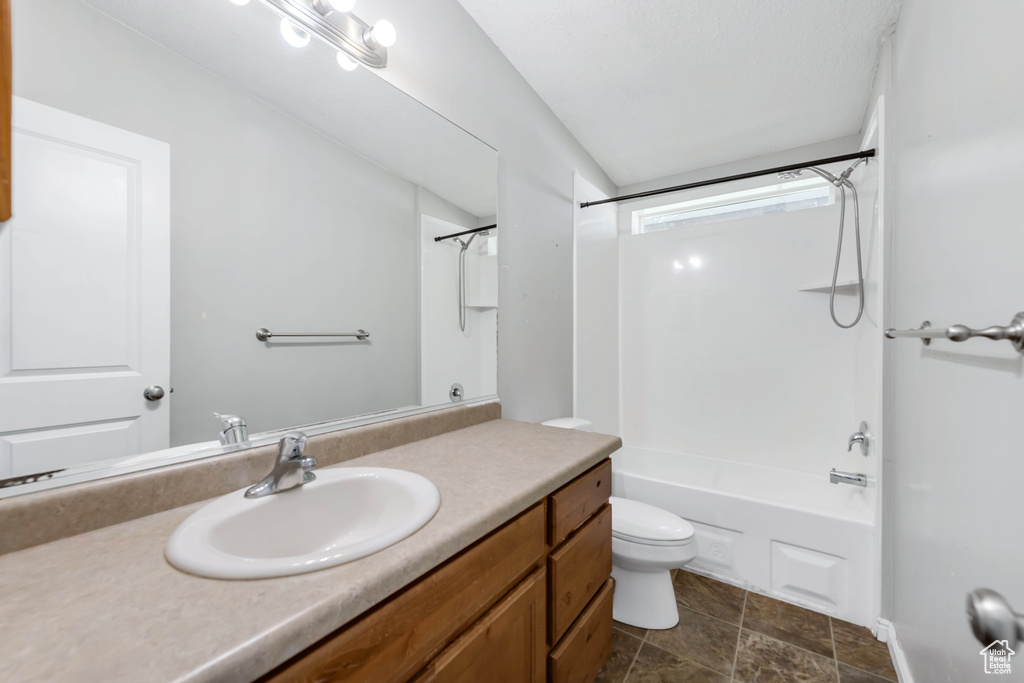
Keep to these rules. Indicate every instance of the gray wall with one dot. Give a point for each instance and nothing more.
(444, 59)
(272, 225)
(954, 465)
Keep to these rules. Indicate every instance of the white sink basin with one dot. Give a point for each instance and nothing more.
(347, 513)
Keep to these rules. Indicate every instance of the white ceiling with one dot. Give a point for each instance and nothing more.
(653, 88)
(243, 45)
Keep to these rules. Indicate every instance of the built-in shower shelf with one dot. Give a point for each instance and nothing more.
(842, 287)
(481, 307)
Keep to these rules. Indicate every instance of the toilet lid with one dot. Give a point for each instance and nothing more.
(647, 524)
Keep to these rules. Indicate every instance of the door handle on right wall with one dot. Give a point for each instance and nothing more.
(992, 618)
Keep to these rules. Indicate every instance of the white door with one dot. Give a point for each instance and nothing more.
(84, 293)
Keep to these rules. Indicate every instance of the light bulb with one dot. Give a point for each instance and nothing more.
(293, 35)
(239, 2)
(382, 34)
(346, 62)
(342, 5)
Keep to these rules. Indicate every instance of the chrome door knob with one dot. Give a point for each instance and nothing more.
(154, 393)
(992, 618)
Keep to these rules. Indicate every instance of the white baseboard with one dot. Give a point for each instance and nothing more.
(887, 634)
(881, 629)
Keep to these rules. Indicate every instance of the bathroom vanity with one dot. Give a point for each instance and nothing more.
(509, 580)
(491, 613)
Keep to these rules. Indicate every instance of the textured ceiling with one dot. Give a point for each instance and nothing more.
(653, 88)
(243, 45)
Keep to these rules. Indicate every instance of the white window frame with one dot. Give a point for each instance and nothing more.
(737, 199)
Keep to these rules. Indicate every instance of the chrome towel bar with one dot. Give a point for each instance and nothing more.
(263, 334)
(1014, 333)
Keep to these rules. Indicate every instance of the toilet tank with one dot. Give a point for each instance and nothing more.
(570, 423)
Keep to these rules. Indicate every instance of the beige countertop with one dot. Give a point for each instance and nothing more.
(106, 605)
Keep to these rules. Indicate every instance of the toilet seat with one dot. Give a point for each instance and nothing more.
(645, 524)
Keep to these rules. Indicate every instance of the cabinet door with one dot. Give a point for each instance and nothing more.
(505, 646)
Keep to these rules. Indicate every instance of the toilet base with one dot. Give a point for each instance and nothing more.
(644, 599)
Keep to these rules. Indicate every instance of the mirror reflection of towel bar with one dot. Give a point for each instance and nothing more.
(263, 334)
(1014, 333)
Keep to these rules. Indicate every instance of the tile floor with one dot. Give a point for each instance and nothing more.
(727, 634)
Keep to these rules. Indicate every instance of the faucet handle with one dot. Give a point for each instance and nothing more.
(233, 429)
(292, 444)
(860, 438)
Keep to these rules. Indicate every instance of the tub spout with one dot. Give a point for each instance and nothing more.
(852, 478)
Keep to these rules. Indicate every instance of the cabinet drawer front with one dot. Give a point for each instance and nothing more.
(399, 637)
(577, 570)
(583, 651)
(574, 503)
(505, 646)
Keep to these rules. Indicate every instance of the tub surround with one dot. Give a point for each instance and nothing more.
(105, 605)
(58, 513)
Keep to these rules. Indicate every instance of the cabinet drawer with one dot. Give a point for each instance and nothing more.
(399, 637)
(505, 646)
(583, 651)
(577, 570)
(574, 503)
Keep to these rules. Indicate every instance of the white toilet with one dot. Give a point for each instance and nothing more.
(647, 543)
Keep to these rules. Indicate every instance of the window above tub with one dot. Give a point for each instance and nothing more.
(793, 195)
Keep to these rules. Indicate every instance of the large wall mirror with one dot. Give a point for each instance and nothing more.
(183, 177)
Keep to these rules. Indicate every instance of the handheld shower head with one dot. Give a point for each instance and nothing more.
(465, 245)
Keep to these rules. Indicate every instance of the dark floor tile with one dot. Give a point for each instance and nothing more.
(708, 596)
(765, 660)
(640, 633)
(654, 665)
(788, 623)
(624, 649)
(701, 639)
(848, 674)
(856, 646)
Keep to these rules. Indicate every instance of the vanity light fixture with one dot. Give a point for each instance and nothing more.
(346, 62)
(293, 35)
(332, 22)
(336, 5)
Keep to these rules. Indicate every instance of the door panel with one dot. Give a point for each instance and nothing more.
(84, 313)
(48, 449)
(71, 274)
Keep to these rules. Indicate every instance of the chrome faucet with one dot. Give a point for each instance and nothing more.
(232, 429)
(292, 469)
(861, 438)
(852, 478)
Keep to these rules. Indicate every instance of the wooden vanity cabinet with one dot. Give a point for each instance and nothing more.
(515, 607)
(579, 577)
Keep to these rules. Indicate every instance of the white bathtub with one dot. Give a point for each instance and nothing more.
(788, 534)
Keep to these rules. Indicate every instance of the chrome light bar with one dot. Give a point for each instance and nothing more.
(343, 31)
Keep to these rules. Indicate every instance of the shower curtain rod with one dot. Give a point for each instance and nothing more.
(866, 154)
(466, 232)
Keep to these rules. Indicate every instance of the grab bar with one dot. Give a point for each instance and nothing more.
(263, 334)
(1014, 333)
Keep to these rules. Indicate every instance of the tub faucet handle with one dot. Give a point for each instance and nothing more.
(860, 438)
